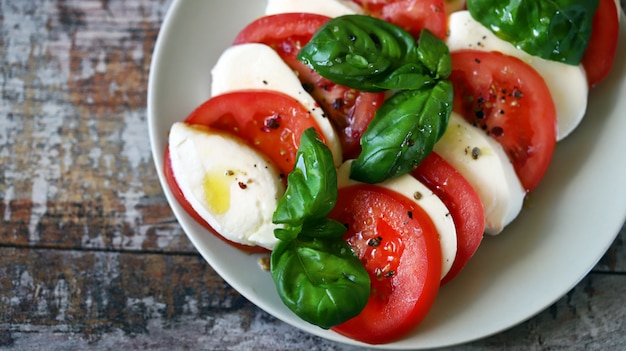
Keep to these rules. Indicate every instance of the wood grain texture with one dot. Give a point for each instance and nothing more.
(77, 169)
(107, 300)
(91, 257)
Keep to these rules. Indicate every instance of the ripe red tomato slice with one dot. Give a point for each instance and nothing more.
(463, 203)
(398, 244)
(509, 100)
(349, 110)
(600, 53)
(270, 122)
(412, 15)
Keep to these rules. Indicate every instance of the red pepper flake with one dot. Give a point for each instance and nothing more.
(242, 185)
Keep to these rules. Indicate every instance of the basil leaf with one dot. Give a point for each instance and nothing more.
(357, 51)
(557, 30)
(403, 132)
(321, 281)
(311, 187)
(434, 54)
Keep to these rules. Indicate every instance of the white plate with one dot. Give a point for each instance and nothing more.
(567, 225)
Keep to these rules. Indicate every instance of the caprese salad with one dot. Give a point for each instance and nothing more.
(368, 145)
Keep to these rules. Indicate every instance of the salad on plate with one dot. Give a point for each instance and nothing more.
(366, 147)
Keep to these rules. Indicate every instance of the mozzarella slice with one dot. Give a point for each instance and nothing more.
(257, 66)
(330, 8)
(229, 184)
(408, 186)
(485, 165)
(567, 84)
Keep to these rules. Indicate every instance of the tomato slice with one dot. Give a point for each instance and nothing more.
(349, 110)
(268, 121)
(398, 244)
(463, 203)
(509, 100)
(600, 53)
(412, 15)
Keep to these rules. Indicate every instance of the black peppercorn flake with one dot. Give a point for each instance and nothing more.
(375, 242)
(475, 153)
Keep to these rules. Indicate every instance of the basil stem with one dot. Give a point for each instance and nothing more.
(557, 30)
(403, 132)
(316, 273)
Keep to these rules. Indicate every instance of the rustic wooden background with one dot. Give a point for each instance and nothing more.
(91, 256)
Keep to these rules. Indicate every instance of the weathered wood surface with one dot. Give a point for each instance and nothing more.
(91, 256)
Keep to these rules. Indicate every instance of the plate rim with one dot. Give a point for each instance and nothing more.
(190, 229)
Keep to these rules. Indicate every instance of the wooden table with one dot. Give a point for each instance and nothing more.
(90, 253)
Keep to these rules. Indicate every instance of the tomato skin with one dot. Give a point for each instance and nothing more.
(600, 53)
(178, 195)
(399, 247)
(411, 15)
(463, 203)
(511, 102)
(349, 110)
